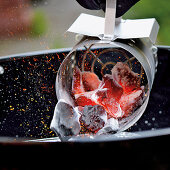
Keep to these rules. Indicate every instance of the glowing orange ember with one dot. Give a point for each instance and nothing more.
(85, 99)
(120, 93)
(125, 77)
(77, 87)
(90, 81)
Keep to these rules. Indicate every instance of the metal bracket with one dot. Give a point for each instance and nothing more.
(110, 19)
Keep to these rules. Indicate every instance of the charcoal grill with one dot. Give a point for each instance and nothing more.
(27, 102)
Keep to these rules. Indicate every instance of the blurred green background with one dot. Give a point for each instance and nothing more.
(50, 20)
(159, 9)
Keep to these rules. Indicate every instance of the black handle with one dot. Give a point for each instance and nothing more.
(122, 5)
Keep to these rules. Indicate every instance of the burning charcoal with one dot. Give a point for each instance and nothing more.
(125, 77)
(111, 106)
(77, 86)
(84, 99)
(93, 117)
(108, 96)
(111, 127)
(129, 102)
(65, 120)
(113, 89)
(90, 81)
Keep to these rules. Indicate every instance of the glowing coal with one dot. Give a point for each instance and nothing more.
(98, 104)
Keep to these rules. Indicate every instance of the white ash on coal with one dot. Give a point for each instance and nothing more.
(93, 117)
(65, 120)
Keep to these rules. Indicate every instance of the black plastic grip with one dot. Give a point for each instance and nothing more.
(122, 5)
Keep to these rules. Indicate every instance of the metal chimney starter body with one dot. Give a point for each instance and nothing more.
(136, 38)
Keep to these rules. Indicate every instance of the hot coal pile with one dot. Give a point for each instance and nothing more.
(98, 104)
